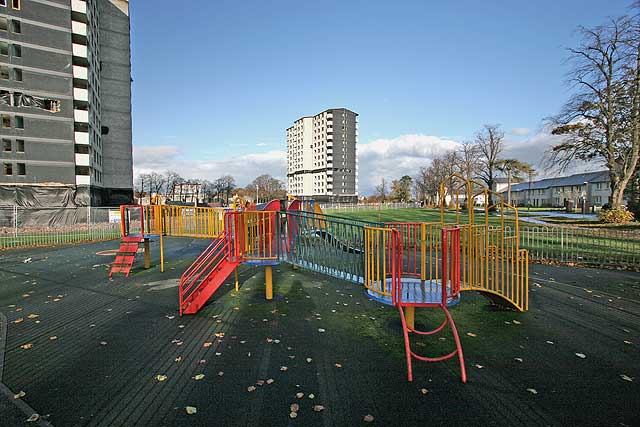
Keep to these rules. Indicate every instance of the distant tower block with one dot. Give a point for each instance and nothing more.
(322, 156)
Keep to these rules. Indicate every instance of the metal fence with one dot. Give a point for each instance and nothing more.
(345, 207)
(594, 246)
(27, 227)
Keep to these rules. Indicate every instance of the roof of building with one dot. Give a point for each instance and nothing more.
(562, 181)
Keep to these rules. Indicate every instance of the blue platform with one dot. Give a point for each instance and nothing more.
(414, 291)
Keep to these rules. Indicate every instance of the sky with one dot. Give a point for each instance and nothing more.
(216, 83)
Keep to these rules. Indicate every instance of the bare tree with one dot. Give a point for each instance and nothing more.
(382, 190)
(467, 160)
(490, 144)
(265, 187)
(172, 178)
(602, 120)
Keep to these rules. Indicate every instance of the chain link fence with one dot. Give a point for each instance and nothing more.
(25, 227)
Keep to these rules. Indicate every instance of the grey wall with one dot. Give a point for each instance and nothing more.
(115, 96)
(48, 137)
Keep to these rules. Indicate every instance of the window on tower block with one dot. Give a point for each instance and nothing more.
(17, 74)
(3, 23)
(15, 4)
(16, 51)
(22, 169)
(8, 169)
(3, 3)
(19, 145)
(16, 27)
(19, 122)
(6, 144)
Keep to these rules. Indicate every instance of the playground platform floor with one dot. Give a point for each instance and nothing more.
(87, 351)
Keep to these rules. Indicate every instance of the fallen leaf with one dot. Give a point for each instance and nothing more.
(471, 334)
(309, 360)
(103, 343)
(270, 381)
(550, 342)
(220, 373)
(338, 365)
(532, 390)
(516, 322)
(191, 409)
(26, 346)
(198, 377)
(178, 359)
(33, 418)
(628, 342)
(283, 368)
(161, 377)
(219, 334)
(299, 395)
(18, 320)
(53, 338)
(518, 359)
(368, 418)
(294, 407)
(260, 382)
(581, 355)
(207, 344)
(293, 414)
(318, 408)
(626, 378)
(312, 396)
(19, 395)
(321, 330)
(424, 391)
(251, 388)
(479, 366)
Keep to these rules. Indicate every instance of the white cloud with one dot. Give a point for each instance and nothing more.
(261, 144)
(243, 168)
(392, 158)
(520, 131)
(533, 150)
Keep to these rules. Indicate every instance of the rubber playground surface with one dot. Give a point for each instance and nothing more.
(88, 351)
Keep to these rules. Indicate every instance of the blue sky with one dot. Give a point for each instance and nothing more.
(216, 83)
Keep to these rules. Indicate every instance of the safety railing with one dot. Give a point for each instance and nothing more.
(383, 261)
(132, 220)
(450, 263)
(186, 221)
(259, 236)
(327, 244)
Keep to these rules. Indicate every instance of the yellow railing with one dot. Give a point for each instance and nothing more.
(377, 265)
(184, 221)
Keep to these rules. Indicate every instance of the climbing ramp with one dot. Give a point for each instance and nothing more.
(132, 231)
(126, 255)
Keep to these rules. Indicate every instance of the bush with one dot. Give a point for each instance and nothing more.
(615, 216)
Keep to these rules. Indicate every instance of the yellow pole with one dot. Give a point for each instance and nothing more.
(410, 313)
(161, 253)
(268, 279)
(423, 252)
(147, 254)
(236, 270)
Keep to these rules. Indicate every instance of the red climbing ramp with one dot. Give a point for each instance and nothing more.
(207, 273)
(126, 255)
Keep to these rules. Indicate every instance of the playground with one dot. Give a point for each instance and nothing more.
(113, 338)
(281, 314)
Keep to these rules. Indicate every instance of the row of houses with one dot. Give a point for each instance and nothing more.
(591, 187)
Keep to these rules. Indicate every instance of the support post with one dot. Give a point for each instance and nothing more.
(147, 254)
(410, 312)
(161, 253)
(236, 271)
(268, 279)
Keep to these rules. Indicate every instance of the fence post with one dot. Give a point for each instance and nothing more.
(15, 221)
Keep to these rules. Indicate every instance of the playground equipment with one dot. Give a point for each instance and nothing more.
(406, 265)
